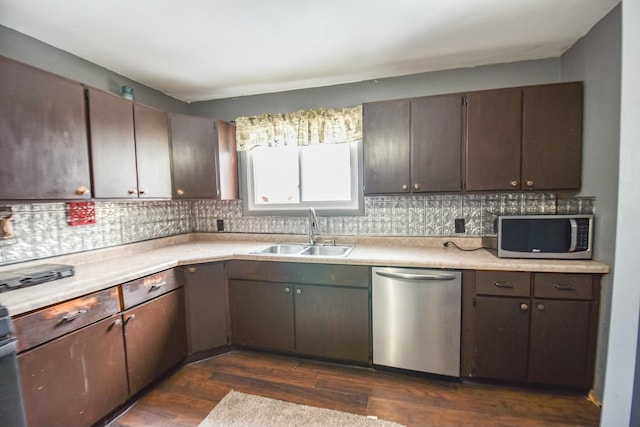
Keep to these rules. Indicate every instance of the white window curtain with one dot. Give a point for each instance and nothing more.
(310, 127)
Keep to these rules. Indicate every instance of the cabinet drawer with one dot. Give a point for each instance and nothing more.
(503, 283)
(49, 323)
(563, 286)
(143, 289)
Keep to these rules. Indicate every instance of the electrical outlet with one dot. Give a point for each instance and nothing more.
(459, 225)
(220, 224)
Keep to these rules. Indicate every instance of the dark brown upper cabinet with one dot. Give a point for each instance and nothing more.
(436, 143)
(153, 156)
(413, 146)
(44, 148)
(552, 137)
(525, 138)
(387, 147)
(129, 148)
(204, 158)
(493, 145)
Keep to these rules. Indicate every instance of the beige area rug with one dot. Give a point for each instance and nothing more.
(239, 409)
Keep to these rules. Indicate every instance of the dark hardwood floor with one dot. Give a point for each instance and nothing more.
(187, 396)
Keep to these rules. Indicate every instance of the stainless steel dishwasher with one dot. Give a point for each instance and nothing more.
(416, 319)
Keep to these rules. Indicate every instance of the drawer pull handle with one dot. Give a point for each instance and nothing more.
(157, 285)
(506, 285)
(70, 317)
(564, 287)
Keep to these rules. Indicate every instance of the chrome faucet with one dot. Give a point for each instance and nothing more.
(314, 230)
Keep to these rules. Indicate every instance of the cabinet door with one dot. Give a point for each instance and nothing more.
(152, 152)
(193, 142)
(155, 338)
(387, 147)
(552, 137)
(436, 143)
(559, 342)
(44, 148)
(332, 322)
(502, 337)
(77, 379)
(206, 306)
(113, 151)
(493, 140)
(227, 161)
(262, 314)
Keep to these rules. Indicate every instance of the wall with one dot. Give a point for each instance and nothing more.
(30, 51)
(621, 405)
(475, 78)
(596, 59)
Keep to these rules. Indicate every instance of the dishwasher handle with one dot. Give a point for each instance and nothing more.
(414, 276)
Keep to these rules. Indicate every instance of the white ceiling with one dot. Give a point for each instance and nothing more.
(199, 50)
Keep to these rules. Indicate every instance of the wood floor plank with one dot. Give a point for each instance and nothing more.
(187, 396)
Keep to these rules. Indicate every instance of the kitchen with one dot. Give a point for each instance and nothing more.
(598, 123)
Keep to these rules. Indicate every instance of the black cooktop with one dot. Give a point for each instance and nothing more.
(29, 276)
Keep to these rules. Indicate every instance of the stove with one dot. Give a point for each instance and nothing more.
(29, 276)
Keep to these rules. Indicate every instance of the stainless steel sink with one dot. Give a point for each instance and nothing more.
(328, 251)
(281, 249)
(335, 251)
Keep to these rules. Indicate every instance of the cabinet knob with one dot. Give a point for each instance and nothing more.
(405, 187)
(416, 186)
(132, 191)
(514, 183)
(540, 307)
(524, 307)
(180, 192)
(287, 290)
(529, 183)
(129, 319)
(298, 292)
(192, 269)
(142, 191)
(82, 190)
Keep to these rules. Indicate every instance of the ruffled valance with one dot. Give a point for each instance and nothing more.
(310, 127)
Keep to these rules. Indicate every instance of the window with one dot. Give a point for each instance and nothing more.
(288, 180)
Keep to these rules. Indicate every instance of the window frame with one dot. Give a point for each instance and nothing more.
(354, 207)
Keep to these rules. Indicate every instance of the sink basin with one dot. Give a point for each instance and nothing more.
(282, 249)
(305, 250)
(329, 251)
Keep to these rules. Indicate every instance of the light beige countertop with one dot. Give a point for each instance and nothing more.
(101, 269)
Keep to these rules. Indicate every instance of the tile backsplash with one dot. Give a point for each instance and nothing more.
(42, 230)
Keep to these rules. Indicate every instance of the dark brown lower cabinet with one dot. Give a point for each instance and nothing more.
(332, 322)
(206, 294)
(262, 314)
(76, 379)
(315, 310)
(155, 337)
(537, 328)
(559, 342)
(502, 334)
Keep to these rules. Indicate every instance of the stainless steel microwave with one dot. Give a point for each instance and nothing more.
(542, 236)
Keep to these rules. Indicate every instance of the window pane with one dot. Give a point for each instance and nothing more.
(326, 172)
(275, 175)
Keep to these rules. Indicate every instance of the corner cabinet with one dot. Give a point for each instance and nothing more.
(413, 146)
(129, 148)
(44, 148)
(199, 145)
(315, 310)
(537, 328)
(207, 313)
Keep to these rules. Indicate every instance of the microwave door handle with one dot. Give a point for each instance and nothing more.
(574, 235)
